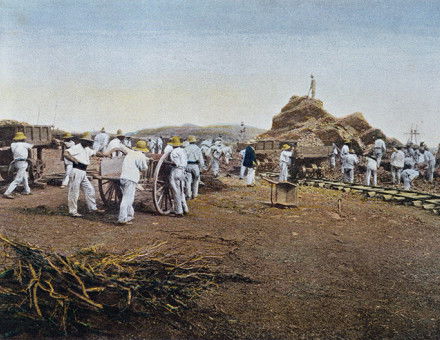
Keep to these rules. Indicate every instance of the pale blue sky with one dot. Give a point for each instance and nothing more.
(135, 64)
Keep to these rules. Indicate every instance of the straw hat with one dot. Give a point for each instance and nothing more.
(86, 136)
(19, 136)
(192, 139)
(175, 141)
(119, 133)
(67, 135)
(141, 145)
(285, 147)
(102, 130)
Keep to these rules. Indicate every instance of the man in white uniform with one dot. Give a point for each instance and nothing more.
(344, 152)
(371, 170)
(216, 153)
(285, 162)
(127, 142)
(133, 164)
(178, 176)
(333, 155)
(195, 164)
(408, 176)
(159, 145)
(168, 148)
(348, 164)
(397, 163)
(101, 141)
(429, 159)
(379, 150)
(20, 153)
(79, 155)
(227, 152)
(116, 143)
(68, 165)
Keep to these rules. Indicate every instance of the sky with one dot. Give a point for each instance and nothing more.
(83, 65)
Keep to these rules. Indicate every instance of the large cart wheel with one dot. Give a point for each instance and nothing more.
(36, 169)
(110, 192)
(162, 196)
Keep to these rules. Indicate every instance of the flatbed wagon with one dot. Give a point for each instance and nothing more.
(38, 135)
(155, 181)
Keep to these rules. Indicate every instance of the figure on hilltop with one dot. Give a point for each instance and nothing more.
(312, 87)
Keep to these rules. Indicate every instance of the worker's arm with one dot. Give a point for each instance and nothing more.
(68, 156)
(109, 153)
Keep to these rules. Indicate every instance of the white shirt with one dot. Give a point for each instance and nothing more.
(114, 143)
(134, 162)
(179, 158)
(21, 149)
(127, 142)
(398, 159)
(168, 148)
(194, 154)
(380, 144)
(81, 154)
(216, 151)
(285, 157)
(344, 150)
(102, 139)
(411, 173)
(335, 150)
(349, 161)
(227, 151)
(68, 146)
(371, 163)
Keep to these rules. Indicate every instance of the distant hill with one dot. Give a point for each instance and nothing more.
(228, 132)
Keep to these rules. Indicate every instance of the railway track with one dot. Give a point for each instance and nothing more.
(427, 201)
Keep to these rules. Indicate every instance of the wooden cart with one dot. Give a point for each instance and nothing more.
(38, 135)
(155, 181)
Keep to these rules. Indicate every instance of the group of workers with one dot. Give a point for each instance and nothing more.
(406, 162)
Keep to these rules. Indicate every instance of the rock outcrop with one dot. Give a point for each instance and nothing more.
(304, 120)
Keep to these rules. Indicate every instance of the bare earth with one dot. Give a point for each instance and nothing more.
(372, 272)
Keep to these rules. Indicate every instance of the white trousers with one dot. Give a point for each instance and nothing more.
(368, 176)
(215, 166)
(250, 179)
(78, 180)
(378, 153)
(126, 211)
(284, 172)
(21, 177)
(242, 171)
(348, 175)
(192, 180)
(69, 168)
(333, 161)
(430, 171)
(396, 174)
(407, 180)
(177, 182)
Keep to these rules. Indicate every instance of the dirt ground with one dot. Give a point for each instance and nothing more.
(371, 272)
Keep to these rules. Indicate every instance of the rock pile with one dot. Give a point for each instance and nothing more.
(304, 120)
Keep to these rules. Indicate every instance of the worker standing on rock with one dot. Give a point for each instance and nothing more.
(101, 141)
(379, 150)
(250, 162)
(371, 170)
(68, 165)
(397, 163)
(285, 162)
(429, 159)
(348, 164)
(79, 155)
(20, 152)
(178, 176)
(195, 164)
(312, 88)
(116, 143)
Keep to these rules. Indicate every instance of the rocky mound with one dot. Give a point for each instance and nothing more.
(304, 119)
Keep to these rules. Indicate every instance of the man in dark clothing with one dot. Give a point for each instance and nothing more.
(250, 162)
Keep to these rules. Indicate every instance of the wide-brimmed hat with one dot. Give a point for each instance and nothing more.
(102, 130)
(19, 136)
(286, 147)
(175, 141)
(192, 139)
(141, 145)
(67, 135)
(119, 133)
(86, 136)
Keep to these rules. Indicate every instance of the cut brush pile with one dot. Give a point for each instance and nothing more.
(45, 293)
